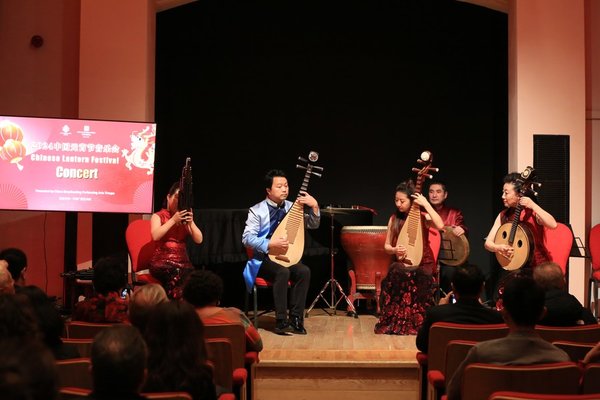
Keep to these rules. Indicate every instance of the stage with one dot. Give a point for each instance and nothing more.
(340, 358)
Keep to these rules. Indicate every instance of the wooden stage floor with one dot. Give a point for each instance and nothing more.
(340, 356)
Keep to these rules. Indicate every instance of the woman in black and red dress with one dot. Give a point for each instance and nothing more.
(406, 292)
(170, 263)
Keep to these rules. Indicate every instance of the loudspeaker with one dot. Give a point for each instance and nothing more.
(551, 163)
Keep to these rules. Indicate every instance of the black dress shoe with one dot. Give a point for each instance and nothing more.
(283, 327)
(297, 326)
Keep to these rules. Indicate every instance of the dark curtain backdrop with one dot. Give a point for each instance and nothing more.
(244, 86)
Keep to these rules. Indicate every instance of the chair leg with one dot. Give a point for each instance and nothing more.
(255, 298)
(595, 284)
(589, 294)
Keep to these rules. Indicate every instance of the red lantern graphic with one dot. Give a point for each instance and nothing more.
(10, 130)
(13, 151)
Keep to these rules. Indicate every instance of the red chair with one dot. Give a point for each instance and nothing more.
(74, 372)
(84, 329)
(594, 246)
(559, 241)
(456, 352)
(506, 395)
(576, 350)
(591, 379)
(243, 363)
(440, 334)
(479, 380)
(140, 247)
(578, 333)
(259, 283)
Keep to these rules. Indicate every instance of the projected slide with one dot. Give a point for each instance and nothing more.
(51, 164)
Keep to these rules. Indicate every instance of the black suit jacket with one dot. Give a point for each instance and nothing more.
(464, 311)
(563, 309)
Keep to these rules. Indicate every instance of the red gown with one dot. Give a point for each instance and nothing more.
(405, 295)
(170, 263)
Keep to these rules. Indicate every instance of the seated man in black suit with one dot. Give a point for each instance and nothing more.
(467, 285)
(562, 308)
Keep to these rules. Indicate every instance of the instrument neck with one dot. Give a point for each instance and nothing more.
(515, 224)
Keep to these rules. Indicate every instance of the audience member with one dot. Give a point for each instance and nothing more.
(7, 284)
(17, 263)
(522, 306)
(106, 305)
(177, 358)
(203, 290)
(142, 301)
(119, 360)
(27, 370)
(467, 286)
(562, 308)
(50, 322)
(27, 367)
(17, 318)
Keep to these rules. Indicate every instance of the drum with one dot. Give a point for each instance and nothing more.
(364, 246)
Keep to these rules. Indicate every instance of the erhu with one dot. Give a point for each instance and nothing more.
(186, 199)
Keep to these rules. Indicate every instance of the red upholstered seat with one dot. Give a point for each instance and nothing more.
(559, 241)
(140, 247)
(594, 246)
(259, 283)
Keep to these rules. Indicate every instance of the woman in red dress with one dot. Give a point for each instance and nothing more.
(407, 293)
(170, 263)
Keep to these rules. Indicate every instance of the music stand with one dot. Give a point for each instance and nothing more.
(332, 282)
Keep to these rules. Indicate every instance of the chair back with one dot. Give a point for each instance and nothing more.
(456, 351)
(441, 333)
(74, 372)
(575, 350)
(236, 334)
(594, 246)
(140, 248)
(219, 352)
(479, 380)
(578, 333)
(167, 395)
(591, 379)
(73, 393)
(84, 346)
(559, 241)
(508, 395)
(84, 330)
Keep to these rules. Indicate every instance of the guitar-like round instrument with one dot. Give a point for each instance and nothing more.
(516, 234)
(454, 250)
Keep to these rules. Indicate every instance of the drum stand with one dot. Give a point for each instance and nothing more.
(334, 284)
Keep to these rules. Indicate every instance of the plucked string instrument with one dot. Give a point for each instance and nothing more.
(292, 225)
(411, 234)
